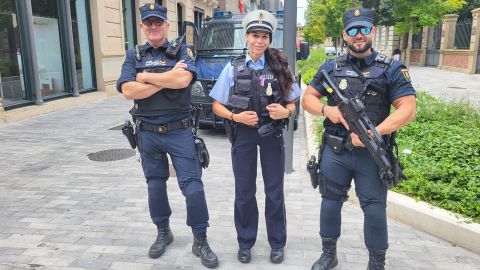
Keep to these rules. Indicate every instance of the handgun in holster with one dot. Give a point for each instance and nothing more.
(312, 168)
(128, 131)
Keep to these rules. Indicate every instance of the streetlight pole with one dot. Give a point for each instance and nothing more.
(290, 49)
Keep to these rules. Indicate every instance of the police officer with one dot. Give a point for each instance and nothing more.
(255, 94)
(157, 78)
(389, 84)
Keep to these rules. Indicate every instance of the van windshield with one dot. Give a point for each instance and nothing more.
(230, 36)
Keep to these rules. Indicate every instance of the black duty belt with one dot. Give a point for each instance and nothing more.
(185, 123)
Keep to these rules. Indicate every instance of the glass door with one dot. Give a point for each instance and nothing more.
(47, 46)
(82, 44)
(12, 84)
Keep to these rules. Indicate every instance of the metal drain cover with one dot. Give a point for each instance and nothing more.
(111, 155)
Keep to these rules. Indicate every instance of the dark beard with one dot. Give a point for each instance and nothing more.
(367, 47)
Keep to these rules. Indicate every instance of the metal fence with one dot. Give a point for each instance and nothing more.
(434, 37)
(417, 41)
(463, 33)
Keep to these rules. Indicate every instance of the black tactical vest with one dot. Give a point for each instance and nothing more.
(165, 101)
(251, 90)
(372, 89)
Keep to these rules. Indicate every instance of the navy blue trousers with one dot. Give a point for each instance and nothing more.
(371, 192)
(180, 147)
(244, 162)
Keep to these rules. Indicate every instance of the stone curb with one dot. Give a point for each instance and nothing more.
(418, 214)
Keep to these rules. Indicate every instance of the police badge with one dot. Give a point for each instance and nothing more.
(343, 84)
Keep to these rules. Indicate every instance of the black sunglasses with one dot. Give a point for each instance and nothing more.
(363, 30)
(153, 22)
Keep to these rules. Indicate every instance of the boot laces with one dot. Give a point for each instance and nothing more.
(205, 247)
(325, 258)
(162, 234)
(377, 262)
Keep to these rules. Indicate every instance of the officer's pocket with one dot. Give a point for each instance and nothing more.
(243, 86)
(239, 102)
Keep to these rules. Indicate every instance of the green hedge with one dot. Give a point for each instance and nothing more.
(310, 66)
(444, 166)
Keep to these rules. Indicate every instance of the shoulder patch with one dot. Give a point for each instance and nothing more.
(405, 73)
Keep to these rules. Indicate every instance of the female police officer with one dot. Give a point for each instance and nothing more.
(256, 93)
(158, 82)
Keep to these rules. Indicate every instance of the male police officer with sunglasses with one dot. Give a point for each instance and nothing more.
(156, 76)
(344, 156)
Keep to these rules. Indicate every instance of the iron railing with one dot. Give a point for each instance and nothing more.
(463, 34)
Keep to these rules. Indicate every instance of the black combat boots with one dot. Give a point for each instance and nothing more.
(328, 259)
(164, 238)
(376, 260)
(201, 249)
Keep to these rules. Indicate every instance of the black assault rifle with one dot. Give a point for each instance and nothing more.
(353, 110)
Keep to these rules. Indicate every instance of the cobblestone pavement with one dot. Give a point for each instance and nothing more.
(60, 210)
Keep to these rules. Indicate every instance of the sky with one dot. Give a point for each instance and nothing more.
(301, 7)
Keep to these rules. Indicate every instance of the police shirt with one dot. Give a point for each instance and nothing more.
(129, 74)
(398, 80)
(221, 90)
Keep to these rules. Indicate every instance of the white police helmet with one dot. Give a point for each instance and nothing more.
(259, 20)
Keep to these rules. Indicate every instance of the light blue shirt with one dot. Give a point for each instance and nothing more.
(221, 90)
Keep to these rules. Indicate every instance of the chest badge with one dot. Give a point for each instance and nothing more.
(343, 84)
(269, 89)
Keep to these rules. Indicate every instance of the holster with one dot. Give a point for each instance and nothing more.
(202, 152)
(397, 167)
(128, 131)
(231, 129)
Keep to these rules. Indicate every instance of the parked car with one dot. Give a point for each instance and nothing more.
(330, 51)
(222, 38)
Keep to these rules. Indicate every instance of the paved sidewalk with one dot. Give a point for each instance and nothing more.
(60, 210)
(447, 85)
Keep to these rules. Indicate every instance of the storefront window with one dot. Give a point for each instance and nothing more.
(12, 87)
(81, 42)
(47, 46)
(129, 23)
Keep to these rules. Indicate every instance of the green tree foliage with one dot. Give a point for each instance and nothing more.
(466, 11)
(324, 18)
(414, 14)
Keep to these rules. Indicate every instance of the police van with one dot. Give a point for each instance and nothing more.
(222, 38)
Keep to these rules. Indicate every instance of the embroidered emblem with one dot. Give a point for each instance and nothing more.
(260, 17)
(406, 75)
(343, 84)
(351, 73)
(152, 6)
(357, 12)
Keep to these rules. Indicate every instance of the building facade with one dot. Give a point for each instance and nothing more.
(56, 53)
(450, 45)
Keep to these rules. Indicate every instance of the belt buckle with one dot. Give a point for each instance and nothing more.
(348, 144)
(162, 129)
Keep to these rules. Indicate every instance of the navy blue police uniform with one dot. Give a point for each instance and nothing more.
(378, 82)
(163, 125)
(338, 166)
(246, 85)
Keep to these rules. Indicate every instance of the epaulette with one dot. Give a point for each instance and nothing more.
(341, 61)
(381, 58)
(139, 52)
(239, 62)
